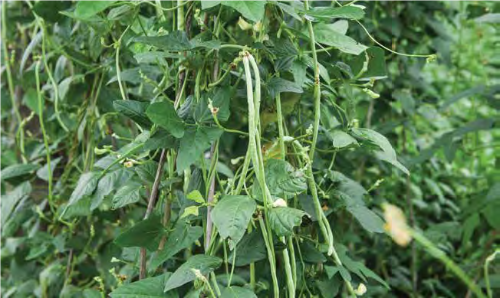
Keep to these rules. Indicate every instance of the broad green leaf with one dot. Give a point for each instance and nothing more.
(488, 18)
(18, 170)
(231, 216)
(220, 100)
(250, 249)
(147, 171)
(85, 187)
(135, 110)
(376, 68)
(151, 287)
(206, 4)
(491, 215)
(282, 179)
(184, 274)
(469, 226)
(196, 196)
(194, 143)
(284, 219)
(252, 10)
(128, 194)
(49, 10)
(406, 99)
(279, 85)
(82, 207)
(237, 292)
(329, 288)
(176, 41)
(10, 200)
(327, 34)
(341, 139)
(161, 139)
(493, 193)
(88, 9)
(346, 185)
(146, 233)
(191, 210)
(30, 99)
(164, 114)
(310, 253)
(386, 152)
(43, 172)
(109, 183)
(367, 218)
(344, 12)
(181, 238)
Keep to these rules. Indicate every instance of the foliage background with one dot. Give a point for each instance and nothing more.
(441, 118)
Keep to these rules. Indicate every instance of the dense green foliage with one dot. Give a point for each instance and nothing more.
(250, 149)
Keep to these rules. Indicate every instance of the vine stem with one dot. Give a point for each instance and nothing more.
(210, 199)
(117, 62)
(151, 203)
(10, 83)
(441, 256)
(44, 133)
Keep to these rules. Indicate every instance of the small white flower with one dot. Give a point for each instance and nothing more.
(360, 290)
(128, 164)
(115, 260)
(279, 203)
(309, 130)
(396, 225)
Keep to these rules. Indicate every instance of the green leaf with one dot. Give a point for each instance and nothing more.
(493, 18)
(220, 99)
(133, 109)
(310, 253)
(147, 288)
(43, 172)
(88, 9)
(347, 186)
(386, 152)
(231, 216)
(49, 10)
(184, 274)
(18, 170)
(176, 41)
(107, 184)
(194, 143)
(344, 12)
(206, 4)
(181, 238)
(376, 68)
(85, 187)
(279, 85)
(282, 179)
(367, 218)
(163, 114)
(237, 292)
(147, 171)
(251, 10)
(10, 200)
(284, 219)
(341, 139)
(191, 210)
(147, 233)
(327, 34)
(128, 194)
(250, 249)
(196, 196)
(160, 139)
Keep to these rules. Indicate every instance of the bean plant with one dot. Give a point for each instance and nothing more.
(250, 149)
